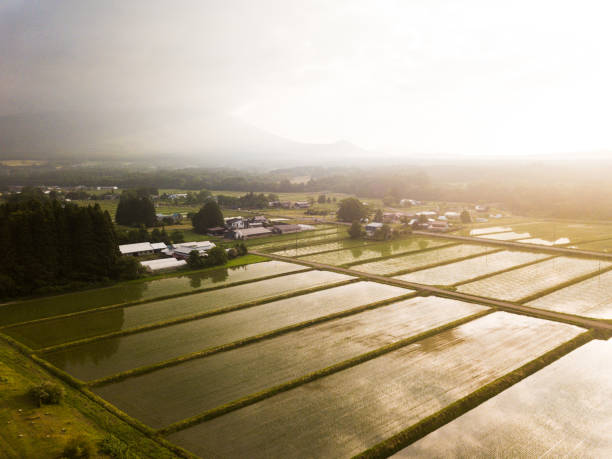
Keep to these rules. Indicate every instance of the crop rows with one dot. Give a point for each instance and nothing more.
(521, 283)
(138, 291)
(562, 410)
(105, 357)
(386, 249)
(344, 413)
(420, 260)
(474, 267)
(218, 379)
(63, 330)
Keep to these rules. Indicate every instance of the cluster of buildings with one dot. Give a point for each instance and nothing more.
(175, 254)
(248, 228)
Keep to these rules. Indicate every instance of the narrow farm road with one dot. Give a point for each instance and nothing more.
(504, 305)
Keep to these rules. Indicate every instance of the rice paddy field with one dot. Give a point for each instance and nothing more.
(604, 246)
(218, 379)
(108, 356)
(507, 236)
(278, 359)
(23, 311)
(317, 248)
(363, 405)
(516, 285)
(462, 271)
(383, 249)
(563, 410)
(489, 230)
(589, 298)
(419, 260)
(299, 239)
(547, 232)
(72, 328)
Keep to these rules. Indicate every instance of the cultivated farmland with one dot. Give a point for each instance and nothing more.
(138, 291)
(365, 404)
(213, 381)
(474, 267)
(589, 298)
(384, 249)
(508, 236)
(311, 249)
(61, 330)
(113, 355)
(522, 283)
(562, 410)
(422, 259)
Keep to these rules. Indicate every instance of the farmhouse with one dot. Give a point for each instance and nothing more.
(452, 215)
(234, 223)
(439, 226)
(170, 218)
(137, 249)
(371, 228)
(301, 204)
(182, 251)
(158, 246)
(216, 231)
(248, 233)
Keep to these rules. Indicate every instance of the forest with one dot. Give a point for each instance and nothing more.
(49, 246)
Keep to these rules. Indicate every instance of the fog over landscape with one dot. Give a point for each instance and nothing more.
(305, 228)
(297, 82)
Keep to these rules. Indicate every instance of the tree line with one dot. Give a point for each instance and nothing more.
(47, 245)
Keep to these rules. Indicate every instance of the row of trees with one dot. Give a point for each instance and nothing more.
(48, 245)
(248, 201)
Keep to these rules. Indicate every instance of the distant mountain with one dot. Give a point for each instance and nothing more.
(196, 140)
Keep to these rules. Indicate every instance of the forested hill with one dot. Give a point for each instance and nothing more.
(47, 245)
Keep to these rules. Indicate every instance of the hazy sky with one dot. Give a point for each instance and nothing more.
(473, 77)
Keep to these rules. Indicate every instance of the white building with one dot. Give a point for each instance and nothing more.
(163, 264)
(137, 249)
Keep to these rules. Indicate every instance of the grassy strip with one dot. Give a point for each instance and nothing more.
(244, 341)
(155, 299)
(554, 288)
(360, 245)
(80, 386)
(200, 315)
(397, 255)
(442, 263)
(456, 409)
(266, 393)
(502, 271)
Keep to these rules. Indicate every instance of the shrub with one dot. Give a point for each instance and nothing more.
(232, 253)
(47, 393)
(216, 256)
(78, 447)
(114, 447)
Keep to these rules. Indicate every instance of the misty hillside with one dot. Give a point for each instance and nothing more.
(211, 140)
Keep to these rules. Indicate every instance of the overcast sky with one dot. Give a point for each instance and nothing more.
(426, 76)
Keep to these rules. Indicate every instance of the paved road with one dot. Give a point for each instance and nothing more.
(510, 307)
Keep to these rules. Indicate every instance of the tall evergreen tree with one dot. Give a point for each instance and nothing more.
(135, 208)
(208, 216)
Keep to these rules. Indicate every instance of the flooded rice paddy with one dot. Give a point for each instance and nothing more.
(345, 413)
(137, 291)
(521, 283)
(422, 259)
(589, 298)
(63, 330)
(385, 249)
(113, 355)
(474, 267)
(213, 381)
(563, 410)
